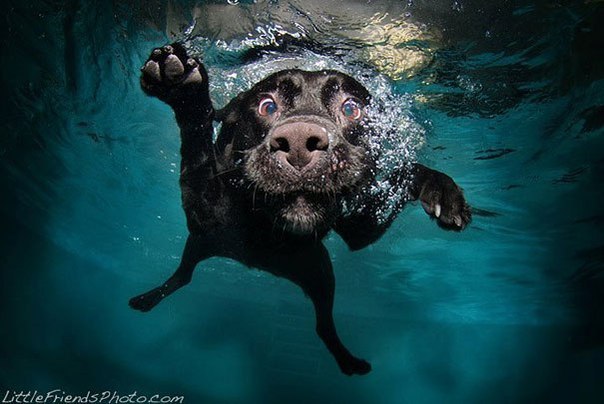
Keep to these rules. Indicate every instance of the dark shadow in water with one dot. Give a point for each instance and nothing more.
(588, 285)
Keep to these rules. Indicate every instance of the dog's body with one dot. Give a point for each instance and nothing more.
(292, 151)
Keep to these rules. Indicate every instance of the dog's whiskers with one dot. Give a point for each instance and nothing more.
(219, 173)
(254, 197)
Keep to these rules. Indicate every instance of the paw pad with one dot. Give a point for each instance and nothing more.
(170, 73)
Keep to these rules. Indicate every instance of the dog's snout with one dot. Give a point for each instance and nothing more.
(299, 144)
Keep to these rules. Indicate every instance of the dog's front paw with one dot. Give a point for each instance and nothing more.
(443, 200)
(170, 74)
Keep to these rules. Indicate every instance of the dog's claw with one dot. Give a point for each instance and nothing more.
(442, 199)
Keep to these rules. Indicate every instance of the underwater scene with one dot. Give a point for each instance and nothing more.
(505, 97)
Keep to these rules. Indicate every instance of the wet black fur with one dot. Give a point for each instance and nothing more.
(240, 203)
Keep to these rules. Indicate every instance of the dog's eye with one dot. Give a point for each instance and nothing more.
(267, 107)
(352, 109)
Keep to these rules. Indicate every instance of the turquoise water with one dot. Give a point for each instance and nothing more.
(510, 104)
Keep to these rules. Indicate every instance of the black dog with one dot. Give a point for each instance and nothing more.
(291, 158)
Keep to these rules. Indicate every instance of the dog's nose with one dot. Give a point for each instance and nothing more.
(299, 144)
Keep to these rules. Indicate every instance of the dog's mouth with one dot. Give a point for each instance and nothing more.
(304, 200)
(304, 213)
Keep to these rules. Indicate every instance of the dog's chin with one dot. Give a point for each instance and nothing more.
(304, 215)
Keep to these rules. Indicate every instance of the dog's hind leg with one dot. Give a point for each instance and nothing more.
(312, 270)
(192, 255)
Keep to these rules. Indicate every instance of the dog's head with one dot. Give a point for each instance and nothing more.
(300, 139)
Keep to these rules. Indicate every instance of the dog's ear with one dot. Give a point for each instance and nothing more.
(238, 127)
(230, 113)
(230, 117)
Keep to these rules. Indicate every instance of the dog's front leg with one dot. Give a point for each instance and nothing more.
(440, 196)
(181, 82)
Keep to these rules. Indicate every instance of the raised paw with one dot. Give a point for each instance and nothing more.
(171, 75)
(443, 200)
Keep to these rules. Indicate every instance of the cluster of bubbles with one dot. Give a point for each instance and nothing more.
(397, 134)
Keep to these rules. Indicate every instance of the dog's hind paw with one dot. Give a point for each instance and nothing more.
(147, 301)
(354, 366)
